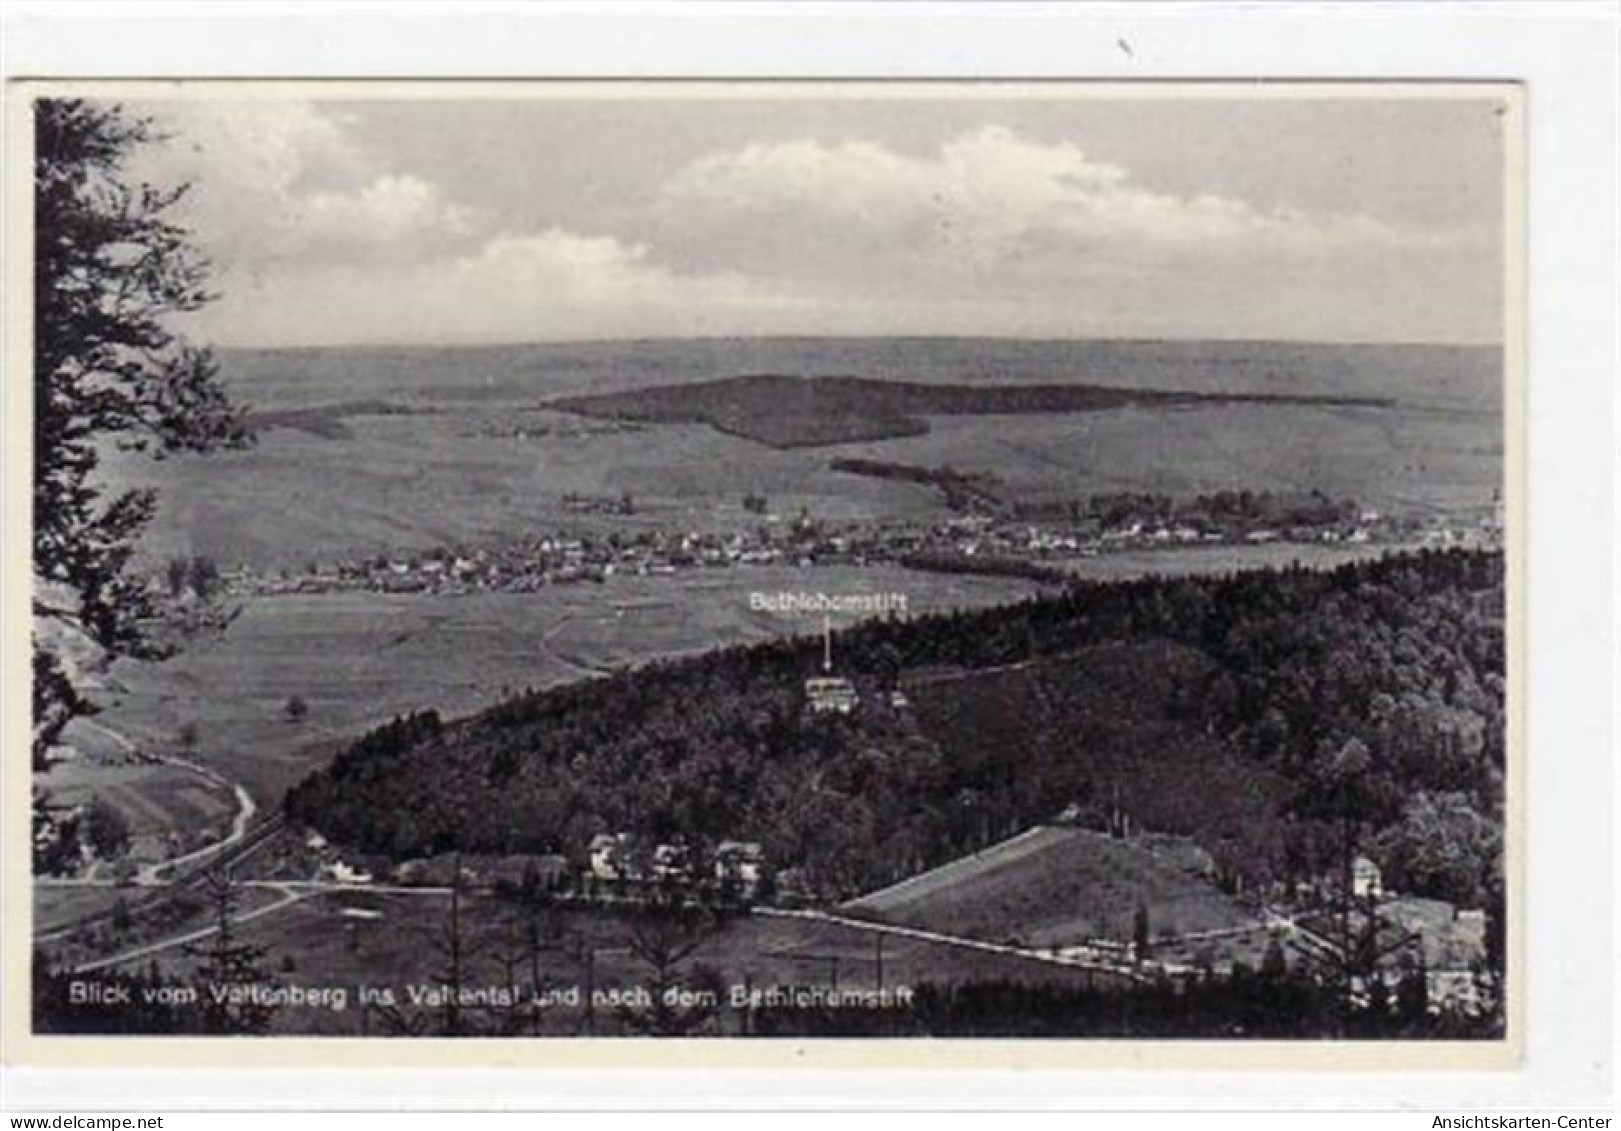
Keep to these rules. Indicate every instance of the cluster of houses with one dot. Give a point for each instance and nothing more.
(622, 859)
(1447, 943)
(331, 866)
(838, 695)
(537, 561)
(616, 864)
(568, 428)
(534, 563)
(831, 695)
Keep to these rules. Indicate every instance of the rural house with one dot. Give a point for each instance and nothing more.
(825, 694)
(672, 862)
(1366, 881)
(610, 857)
(739, 862)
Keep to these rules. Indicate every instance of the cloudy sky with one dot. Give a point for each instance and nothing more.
(497, 221)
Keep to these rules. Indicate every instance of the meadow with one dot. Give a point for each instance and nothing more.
(167, 808)
(1054, 886)
(358, 659)
(481, 454)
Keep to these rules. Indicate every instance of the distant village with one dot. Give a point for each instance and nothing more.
(616, 865)
(1037, 540)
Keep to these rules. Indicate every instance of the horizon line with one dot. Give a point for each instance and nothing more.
(507, 343)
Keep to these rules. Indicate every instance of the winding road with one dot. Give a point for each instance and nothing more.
(159, 873)
(288, 898)
(245, 809)
(152, 874)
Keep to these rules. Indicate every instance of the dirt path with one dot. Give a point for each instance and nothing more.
(288, 898)
(1049, 958)
(548, 639)
(154, 875)
(245, 809)
(291, 892)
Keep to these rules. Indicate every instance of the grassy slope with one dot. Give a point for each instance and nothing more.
(157, 800)
(392, 482)
(1056, 886)
(358, 659)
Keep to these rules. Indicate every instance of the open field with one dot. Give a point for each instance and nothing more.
(1401, 459)
(57, 907)
(341, 483)
(166, 806)
(411, 482)
(153, 798)
(1055, 886)
(358, 659)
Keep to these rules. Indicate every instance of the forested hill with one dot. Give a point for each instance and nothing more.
(788, 412)
(1210, 705)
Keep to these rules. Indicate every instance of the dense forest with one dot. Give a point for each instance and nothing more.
(1223, 706)
(1230, 512)
(961, 491)
(795, 412)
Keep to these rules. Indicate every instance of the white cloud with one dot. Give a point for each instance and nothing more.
(1000, 233)
(552, 284)
(389, 212)
(320, 239)
(281, 180)
(990, 199)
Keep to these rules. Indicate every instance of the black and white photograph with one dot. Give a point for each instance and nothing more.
(740, 560)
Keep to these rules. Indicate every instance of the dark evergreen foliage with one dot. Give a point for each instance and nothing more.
(110, 267)
(1210, 703)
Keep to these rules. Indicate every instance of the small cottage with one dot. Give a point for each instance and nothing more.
(739, 862)
(1366, 881)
